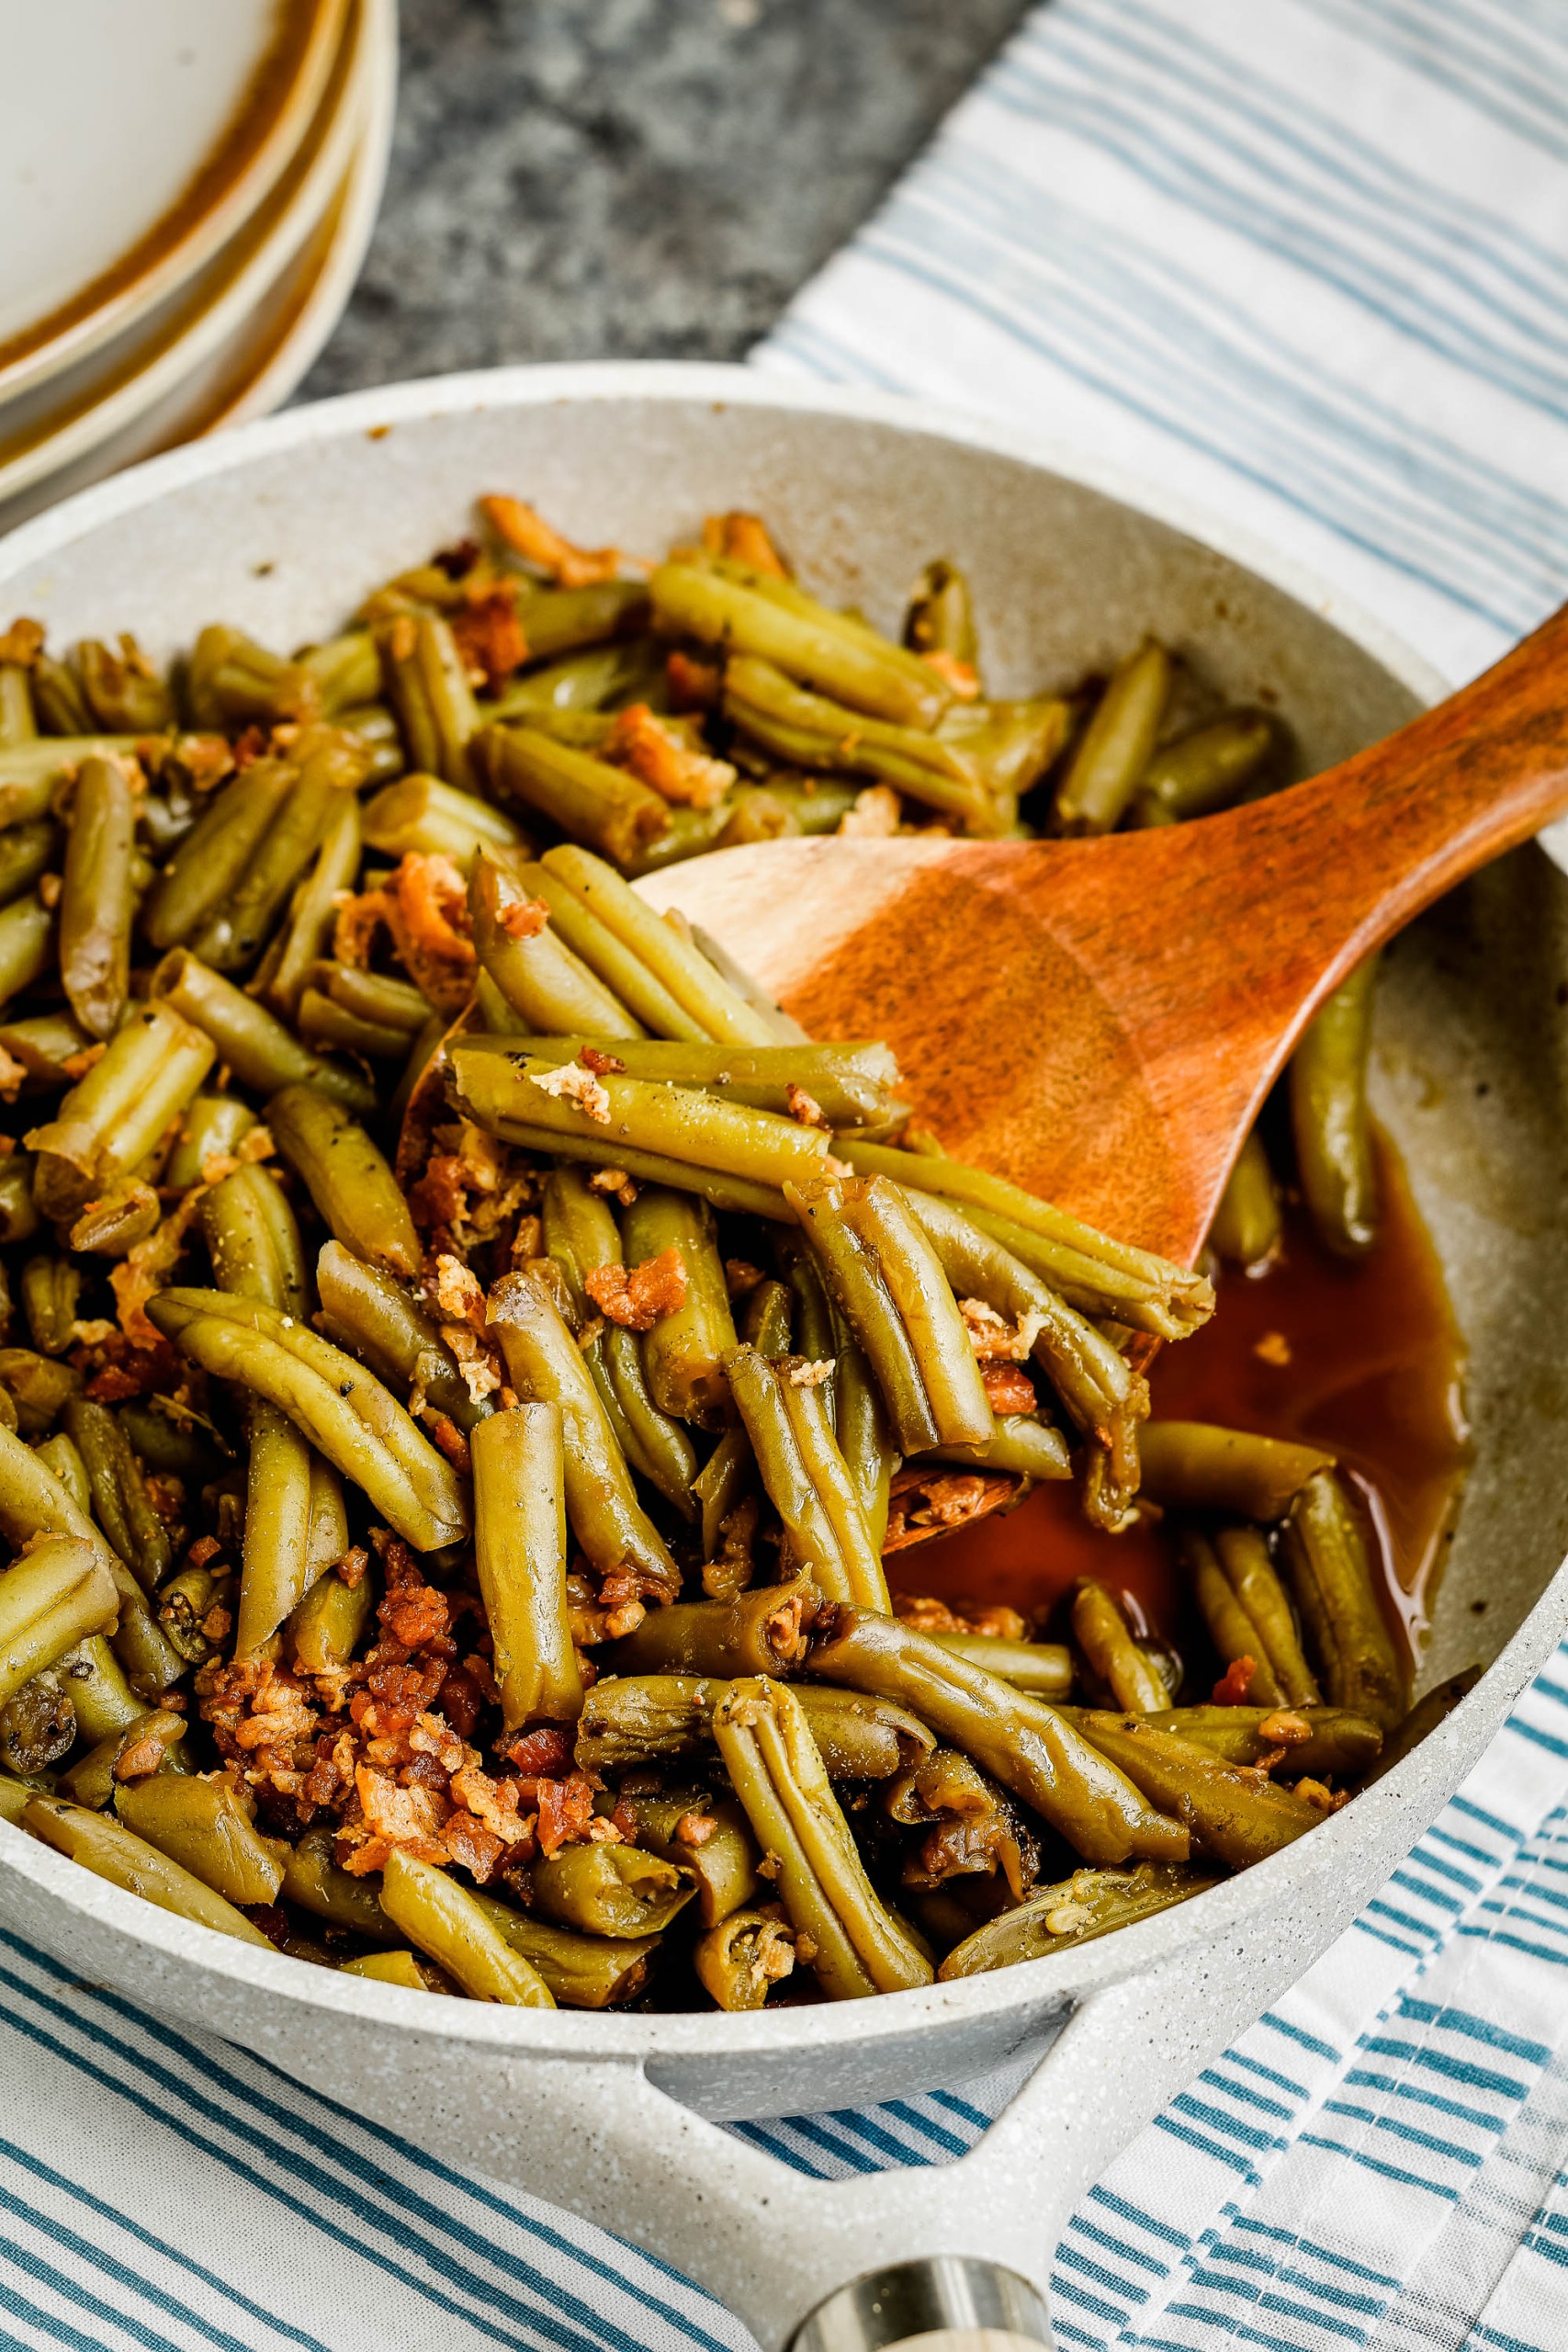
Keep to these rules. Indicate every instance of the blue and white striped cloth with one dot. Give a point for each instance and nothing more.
(1307, 261)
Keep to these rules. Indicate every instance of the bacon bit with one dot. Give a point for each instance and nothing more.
(12, 1073)
(134, 1763)
(50, 887)
(693, 684)
(540, 1755)
(205, 1548)
(565, 1811)
(657, 752)
(22, 643)
(166, 1496)
(744, 538)
(803, 1373)
(637, 1297)
(603, 1064)
(927, 1502)
(572, 1083)
(146, 1267)
(805, 1107)
(624, 1819)
(413, 1614)
(1232, 1686)
(993, 1338)
(1008, 1388)
(615, 1182)
(490, 636)
(451, 1441)
(527, 534)
(877, 813)
(1284, 1728)
(473, 1845)
(694, 1829)
(1318, 1793)
(457, 1293)
(1273, 1348)
(217, 1623)
(256, 1142)
(409, 1819)
(524, 917)
(926, 1614)
(961, 676)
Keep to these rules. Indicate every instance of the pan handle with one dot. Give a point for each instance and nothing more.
(952, 2257)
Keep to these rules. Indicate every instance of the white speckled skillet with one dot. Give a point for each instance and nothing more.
(281, 527)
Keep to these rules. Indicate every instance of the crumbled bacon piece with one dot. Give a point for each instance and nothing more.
(961, 676)
(565, 1811)
(1232, 1686)
(926, 1614)
(571, 1083)
(142, 1758)
(451, 1441)
(458, 1293)
(744, 538)
(538, 542)
(490, 636)
(1008, 1388)
(413, 1614)
(540, 1755)
(637, 1297)
(694, 1829)
(354, 1566)
(147, 1266)
(805, 1107)
(523, 918)
(693, 684)
(876, 814)
(801, 1373)
(615, 1182)
(205, 1548)
(994, 1339)
(660, 755)
(424, 907)
(603, 1064)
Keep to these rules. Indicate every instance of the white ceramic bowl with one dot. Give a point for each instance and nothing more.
(281, 527)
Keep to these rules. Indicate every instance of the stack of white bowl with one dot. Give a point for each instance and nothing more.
(188, 187)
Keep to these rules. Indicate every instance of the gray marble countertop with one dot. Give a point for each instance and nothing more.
(577, 179)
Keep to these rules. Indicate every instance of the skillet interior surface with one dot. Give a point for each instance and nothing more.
(284, 529)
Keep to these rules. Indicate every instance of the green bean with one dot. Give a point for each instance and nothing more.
(421, 813)
(665, 1122)
(26, 940)
(1233, 1815)
(721, 1013)
(202, 1825)
(256, 1047)
(324, 1631)
(611, 1890)
(213, 1128)
(582, 686)
(231, 679)
(19, 1219)
(1205, 769)
(93, 1779)
(313, 1879)
(30, 772)
(558, 620)
(709, 1836)
(1093, 1273)
(355, 1193)
(1230, 1627)
(407, 1969)
(852, 1085)
(186, 1605)
(1335, 1161)
(277, 1526)
(480, 1097)
(684, 1353)
(1019, 1443)
(39, 1388)
(47, 1045)
(253, 1239)
(787, 805)
(34, 1500)
(209, 863)
(121, 688)
(632, 985)
(580, 1235)
(941, 616)
(589, 800)
(1019, 1740)
(1308, 1743)
(365, 1311)
(582, 1972)
(426, 682)
(1044, 1668)
(447, 1924)
(18, 723)
(1090, 1904)
(326, 763)
(801, 637)
(545, 1366)
(852, 1943)
(1101, 1633)
(1009, 745)
(1249, 1570)
(887, 1281)
(763, 1630)
(1109, 761)
(322, 1022)
(373, 996)
(56, 1596)
(97, 897)
(347, 669)
(865, 1432)
(826, 1530)
(1102, 1394)
(38, 1726)
(1331, 1577)
(520, 1550)
(105, 1702)
(1424, 1717)
(52, 1293)
(1247, 1227)
(342, 1408)
(59, 704)
(810, 731)
(1196, 1465)
(112, 1852)
(642, 1718)
(113, 1118)
(540, 977)
(26, 852)
(740, 1960)
(812, 1329)
(120, 1501)
(313, 911)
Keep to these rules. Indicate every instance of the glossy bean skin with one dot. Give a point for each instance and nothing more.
(446, 1923)
(97, 897)
(1247, 1225)
(1103, 1636)
(1337, 1742)
(1089, 1905)
(1115, 747)
(807, 1477)
(365, 1310)
(638, 1718)
(1325, 1556)
(685, 1351)
(1330, 1120)
(759, 1631)
(105, 1847)
(611, 1890)
(1197, 1466)
(1233, 1817)
(519, 1548)
(355, 1193)
(740, 1960)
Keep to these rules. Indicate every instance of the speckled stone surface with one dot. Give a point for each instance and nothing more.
(578, 180)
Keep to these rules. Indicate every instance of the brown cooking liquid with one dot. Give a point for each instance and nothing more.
(1372, 1374)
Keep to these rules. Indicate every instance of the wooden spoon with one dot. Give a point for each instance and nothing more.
(1101, 1020)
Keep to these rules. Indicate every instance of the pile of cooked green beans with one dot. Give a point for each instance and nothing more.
(468, 1356)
